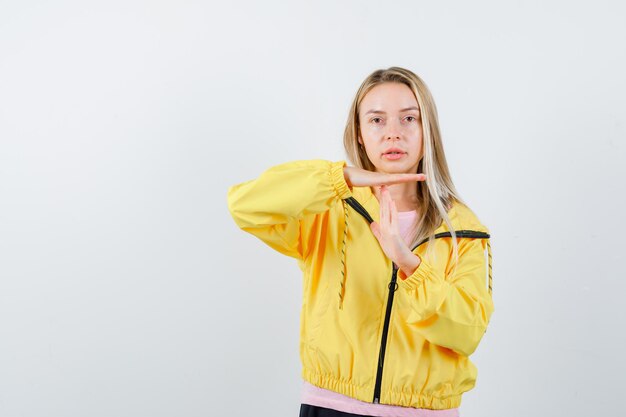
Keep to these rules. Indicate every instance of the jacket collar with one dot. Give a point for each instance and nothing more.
(461, 217)
(464, 222)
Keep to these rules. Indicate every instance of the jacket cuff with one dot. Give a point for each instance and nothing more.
(338, 180)
(423, 270)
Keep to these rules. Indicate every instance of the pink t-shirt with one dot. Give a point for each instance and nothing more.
(329, 399)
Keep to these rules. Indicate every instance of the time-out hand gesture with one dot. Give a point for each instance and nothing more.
(387, 230)
(359, 177)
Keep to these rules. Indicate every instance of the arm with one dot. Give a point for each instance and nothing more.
(408, 265)
(272, 206)
(451, 311)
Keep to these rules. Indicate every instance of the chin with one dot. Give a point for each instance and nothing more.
(396, 168)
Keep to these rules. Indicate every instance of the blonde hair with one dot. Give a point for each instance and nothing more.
(437, 193)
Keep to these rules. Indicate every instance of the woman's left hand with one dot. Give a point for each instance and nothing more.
(388, 234)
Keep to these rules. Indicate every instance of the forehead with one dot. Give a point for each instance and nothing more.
(388, 97)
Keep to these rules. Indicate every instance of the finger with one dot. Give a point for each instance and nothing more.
(388, 201)
(388, 179)
(408, 177)
(386, 214)
(375, 229)
(383, 209)
(394, 216)
(391, 213)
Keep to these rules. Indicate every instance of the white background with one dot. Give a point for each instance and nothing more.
(127, 290)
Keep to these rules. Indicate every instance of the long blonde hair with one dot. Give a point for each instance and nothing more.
(437, 194)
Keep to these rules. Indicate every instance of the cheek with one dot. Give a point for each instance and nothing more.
(368, 143)
(373, 155)
(417, 130)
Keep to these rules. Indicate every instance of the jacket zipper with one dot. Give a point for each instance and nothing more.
(381, 356)
(393, 286)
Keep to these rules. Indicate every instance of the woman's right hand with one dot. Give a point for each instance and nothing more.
(359, 177)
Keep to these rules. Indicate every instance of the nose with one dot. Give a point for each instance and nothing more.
(393, 131)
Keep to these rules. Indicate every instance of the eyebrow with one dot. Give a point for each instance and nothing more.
(382, 112)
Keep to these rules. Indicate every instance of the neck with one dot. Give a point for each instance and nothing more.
(403, 194)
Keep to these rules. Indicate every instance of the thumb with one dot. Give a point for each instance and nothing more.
(375, 229)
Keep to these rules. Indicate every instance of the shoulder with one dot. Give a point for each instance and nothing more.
(463, 218)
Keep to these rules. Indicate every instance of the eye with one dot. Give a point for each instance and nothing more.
(375, 118)
(411, 117)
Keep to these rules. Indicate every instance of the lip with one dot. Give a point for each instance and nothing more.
(394, 156)
(391, 156)
(393, 150)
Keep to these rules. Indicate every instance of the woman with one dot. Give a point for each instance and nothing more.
(393, 307)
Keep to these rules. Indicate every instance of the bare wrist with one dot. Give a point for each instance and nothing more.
(408, 265)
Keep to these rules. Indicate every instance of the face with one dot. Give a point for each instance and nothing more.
(390, 119)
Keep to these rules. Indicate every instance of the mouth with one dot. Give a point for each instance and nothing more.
(394, 155)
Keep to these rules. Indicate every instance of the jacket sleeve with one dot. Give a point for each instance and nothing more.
(272, 207)
(452, 312)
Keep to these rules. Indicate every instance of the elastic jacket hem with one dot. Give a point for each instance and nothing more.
(364, 393)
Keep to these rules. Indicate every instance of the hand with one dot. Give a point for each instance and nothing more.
(359, 177)
(388, 234)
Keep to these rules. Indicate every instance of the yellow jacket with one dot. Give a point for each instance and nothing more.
(364, 332)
